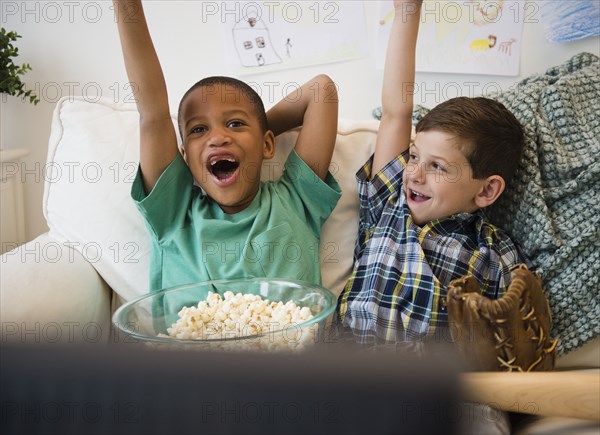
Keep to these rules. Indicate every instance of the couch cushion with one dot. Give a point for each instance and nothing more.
(92, 159)
(50, 294)
(93, 155)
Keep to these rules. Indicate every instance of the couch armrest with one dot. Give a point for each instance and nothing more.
(573, 394)
(49, 293)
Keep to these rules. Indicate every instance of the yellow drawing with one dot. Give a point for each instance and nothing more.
(463, 36)
(387, 18)
(483, 44)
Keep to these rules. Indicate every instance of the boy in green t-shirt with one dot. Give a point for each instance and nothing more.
(232, 225)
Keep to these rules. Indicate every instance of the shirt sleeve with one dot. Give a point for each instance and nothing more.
(311, 197)
(375, 192)
(165, 207)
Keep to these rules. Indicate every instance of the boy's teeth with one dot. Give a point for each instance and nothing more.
(227, 159)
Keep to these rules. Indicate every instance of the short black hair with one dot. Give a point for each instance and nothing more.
(243, 89)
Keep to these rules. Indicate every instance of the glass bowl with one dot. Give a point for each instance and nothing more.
(147, 318)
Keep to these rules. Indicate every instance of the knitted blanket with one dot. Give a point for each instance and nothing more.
(552, 206)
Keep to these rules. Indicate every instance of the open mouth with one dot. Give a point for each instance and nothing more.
(223, 168)
(416, 196)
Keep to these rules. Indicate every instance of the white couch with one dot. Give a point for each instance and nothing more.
(96, 252)
(63, 285)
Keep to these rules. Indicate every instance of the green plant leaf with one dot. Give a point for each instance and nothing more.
(10, 80)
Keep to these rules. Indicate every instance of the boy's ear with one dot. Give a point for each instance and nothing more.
(269, 145)
(182, 151)
(489, 193)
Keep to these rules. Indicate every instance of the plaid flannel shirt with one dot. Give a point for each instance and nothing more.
(397, 289)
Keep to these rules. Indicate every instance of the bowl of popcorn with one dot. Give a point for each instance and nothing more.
(242, 314)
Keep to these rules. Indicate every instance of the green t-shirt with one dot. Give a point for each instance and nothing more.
(276, 236)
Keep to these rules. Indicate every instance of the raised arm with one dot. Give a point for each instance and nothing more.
(158, 141)
(393, 136)
(314, 106)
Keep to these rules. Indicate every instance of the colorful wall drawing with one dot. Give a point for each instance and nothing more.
(467, 36)
(569, 20)
(269, 36)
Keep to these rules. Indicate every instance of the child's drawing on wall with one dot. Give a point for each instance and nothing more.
(485, 11)
(470, 36)
(263, 36)
(483, 44)
(253, 43)
(567, 21)
(505, 47)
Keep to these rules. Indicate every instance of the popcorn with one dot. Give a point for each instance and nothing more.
(251, 321)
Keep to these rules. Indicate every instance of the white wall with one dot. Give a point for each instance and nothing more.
(74, 50)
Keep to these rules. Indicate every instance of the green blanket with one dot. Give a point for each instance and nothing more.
(552, 205)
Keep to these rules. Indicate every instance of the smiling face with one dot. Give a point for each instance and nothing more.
(438, 179)
(224, 144)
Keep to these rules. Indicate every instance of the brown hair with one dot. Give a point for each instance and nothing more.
(492, 137)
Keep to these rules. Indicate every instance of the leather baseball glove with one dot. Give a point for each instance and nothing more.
(507, 334)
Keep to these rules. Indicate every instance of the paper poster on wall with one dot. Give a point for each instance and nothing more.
(466, 36)
(270, 36)
(567, 21)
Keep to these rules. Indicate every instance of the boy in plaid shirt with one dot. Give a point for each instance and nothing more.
(421, 224)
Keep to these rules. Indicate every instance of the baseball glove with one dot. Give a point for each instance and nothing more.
(507, 334)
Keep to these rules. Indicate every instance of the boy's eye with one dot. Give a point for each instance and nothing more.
(197, 130)
(438, 167)
(235, 123)
(412, 157)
